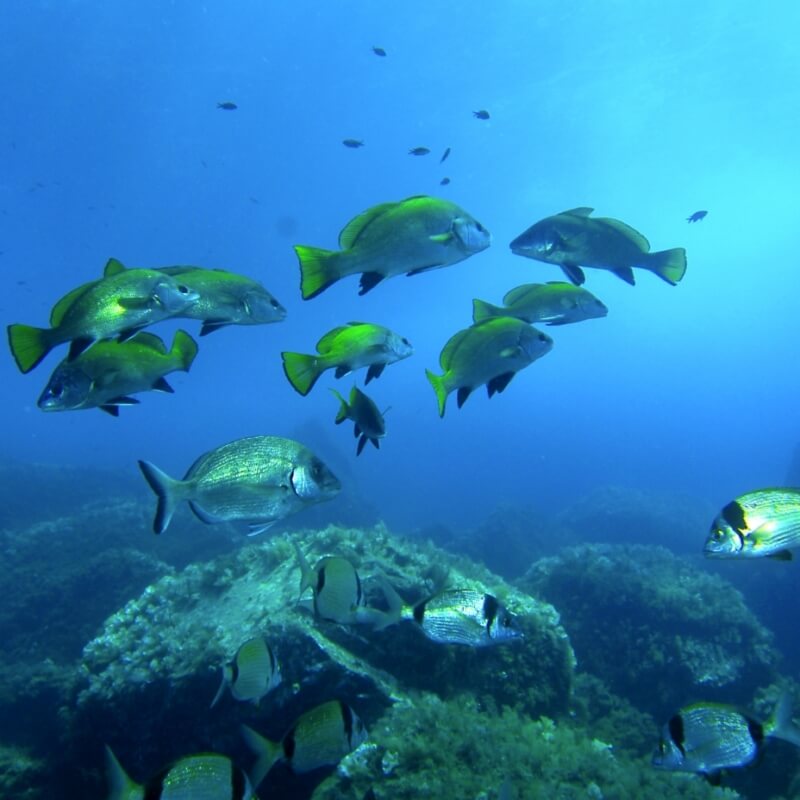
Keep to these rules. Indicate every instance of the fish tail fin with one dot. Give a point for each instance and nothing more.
(317, 270)
(169, 493)
(341, 414)
(29, 345)
(302, 370)
(121, 787)
(780, 725)
(437, 381)
(306, 573)
(184, 349)
(395, 611)
(669, 265)
(267, 753)
(222, 686)
(482, 310)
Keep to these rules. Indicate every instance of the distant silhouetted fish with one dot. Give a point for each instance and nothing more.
(354, 143)
(379, 51)
(444, 181)
(227, 106)
(444, 155)
(482, 114)
(419, 151)
(697, 216)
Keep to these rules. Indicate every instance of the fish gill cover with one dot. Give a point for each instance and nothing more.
(195, 203)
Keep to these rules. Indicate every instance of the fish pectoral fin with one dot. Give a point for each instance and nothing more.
(109, 409)
(369, 280)
(342, 370)
(129, 333)
(420, 270)
(463, 393)
(442, 238)
(77, 346)
(551, 323)
(374, 371)
(361, 442)
(134, 303)
(574, 273)
(259, 527)
(122, 400)
(211, 325)
(499, 382)
(782, 555)
(161, 385)
(626, 273)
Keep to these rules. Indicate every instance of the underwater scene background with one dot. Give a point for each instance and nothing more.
(580, 496)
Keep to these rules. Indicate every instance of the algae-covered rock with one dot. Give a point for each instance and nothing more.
(655, 629)
(19, 772)
(155, 664)
(451, 750)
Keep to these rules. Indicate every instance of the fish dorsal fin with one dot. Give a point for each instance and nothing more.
(66, 302)
(357, 225)
(582, 211)
(113, 267)
(151, 341)
(519, 293)
(629, 233)
(562, 284)
(325, 344)
(450, 349)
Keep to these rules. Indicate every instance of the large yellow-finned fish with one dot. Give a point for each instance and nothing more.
(411, 236)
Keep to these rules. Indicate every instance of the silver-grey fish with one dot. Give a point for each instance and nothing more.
(258, 480)
(764, 523)
(707, 738)
(458, 616)
(321, 737)
(553, 303)
(252, 673)
(206, 776)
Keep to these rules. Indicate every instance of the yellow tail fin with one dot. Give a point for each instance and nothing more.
(301, 370)
(669, 265)
(317, 270)
(184, 349)
(437, 381)
(482, 310)
(29, 345)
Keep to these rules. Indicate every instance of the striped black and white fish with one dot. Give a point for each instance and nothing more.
(206, 776)
(252, 673)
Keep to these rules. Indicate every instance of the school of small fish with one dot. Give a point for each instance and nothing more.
(260, 480)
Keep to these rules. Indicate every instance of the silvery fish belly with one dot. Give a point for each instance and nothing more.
(465, 616)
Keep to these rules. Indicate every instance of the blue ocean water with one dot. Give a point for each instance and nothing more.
(111, 144)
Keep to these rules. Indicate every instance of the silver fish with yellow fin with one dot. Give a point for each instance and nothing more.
(105, 375)
(411, 236)
(252, 673)
(321, 737)
(345, 349)
(760, 524)
(257, 480)
(575, 239)
(206, 776)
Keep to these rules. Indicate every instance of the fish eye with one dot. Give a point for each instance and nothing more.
(405, 341)
(479, 227)
(56, 390)
(543, 337)
(717, 535)
(183, 289)
(274, 303)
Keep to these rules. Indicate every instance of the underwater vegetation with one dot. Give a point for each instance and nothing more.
(653, 627)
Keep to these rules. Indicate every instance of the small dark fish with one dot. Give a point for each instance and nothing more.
(444, 155)
(368, 420)
(482, 114)
(379, 51)
(227, 106)
(444, 181)
(419, 151)
(697, 216)
(354, 143)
